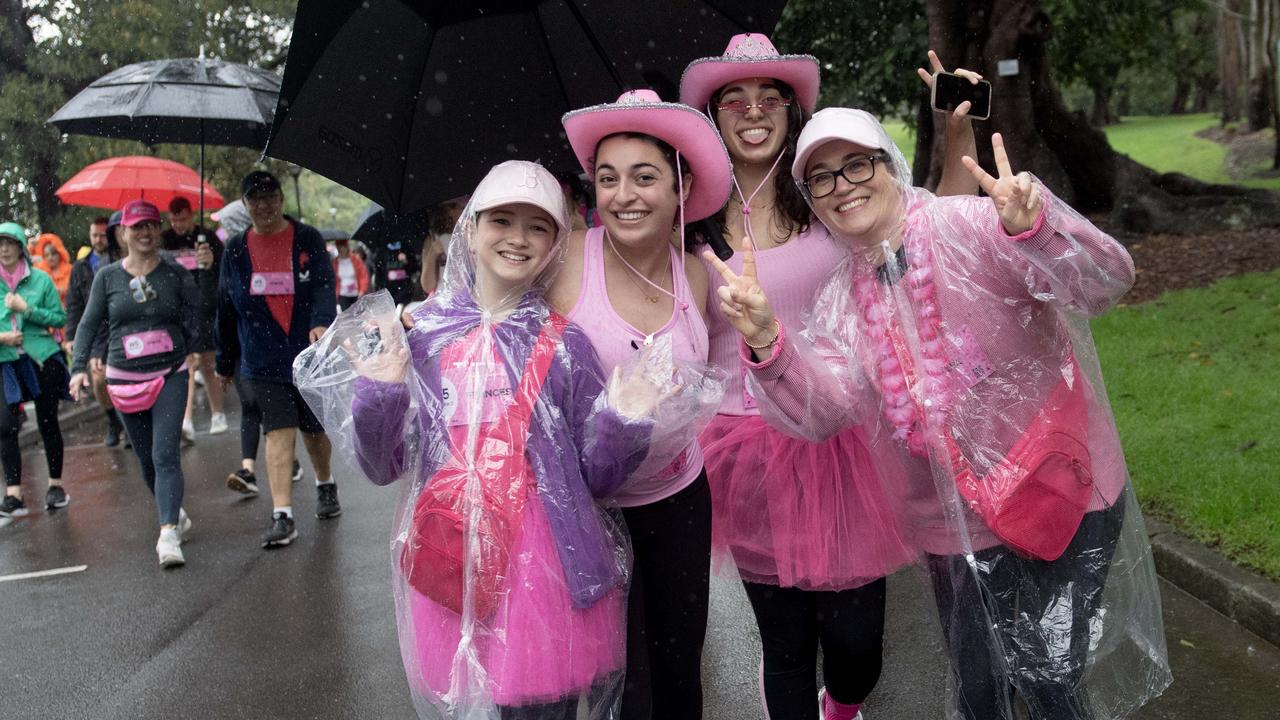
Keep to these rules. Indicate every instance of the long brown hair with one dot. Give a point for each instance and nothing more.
(793, 214)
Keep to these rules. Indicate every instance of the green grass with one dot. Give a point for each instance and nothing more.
(1192, 382)
(1167, 144)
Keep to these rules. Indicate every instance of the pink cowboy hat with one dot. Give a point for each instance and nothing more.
(680, 126)
(750, 55)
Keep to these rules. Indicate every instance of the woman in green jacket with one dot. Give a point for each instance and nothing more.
(31, 367)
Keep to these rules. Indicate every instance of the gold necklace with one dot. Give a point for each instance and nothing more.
(651, 298)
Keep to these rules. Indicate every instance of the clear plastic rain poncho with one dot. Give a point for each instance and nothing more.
(510, 577)
(970, 351)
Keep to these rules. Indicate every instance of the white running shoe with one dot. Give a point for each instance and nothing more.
(184, 524)
(217, 423)
(188, 433)
(168, 547)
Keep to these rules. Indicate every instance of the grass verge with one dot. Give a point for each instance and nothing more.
(1192, 382)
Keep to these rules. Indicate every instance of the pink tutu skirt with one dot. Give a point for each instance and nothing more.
(792, 513)
(537, 648)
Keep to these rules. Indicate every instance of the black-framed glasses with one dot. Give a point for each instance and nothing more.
(142, 289)
(742, 107)
(858, 170)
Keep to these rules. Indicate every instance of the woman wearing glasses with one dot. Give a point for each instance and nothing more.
(806, 524)
(30, 365)
(150, 305)
(966, 322)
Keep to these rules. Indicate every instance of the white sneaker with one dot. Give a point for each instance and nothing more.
(188, 433)
(217, 423)
(184, 525)
(168, 547)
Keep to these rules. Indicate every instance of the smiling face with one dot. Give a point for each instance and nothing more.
(142, 238)
(635, 190)
(266, 210)
(512, 245)
(754, 137)
(98, 237)
(863, 214)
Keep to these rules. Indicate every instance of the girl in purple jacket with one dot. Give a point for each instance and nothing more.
(510, 579)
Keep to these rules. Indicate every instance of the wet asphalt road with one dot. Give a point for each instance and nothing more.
(307, 631)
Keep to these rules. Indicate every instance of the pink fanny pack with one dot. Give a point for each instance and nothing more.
(136, 397)
(1034, 499)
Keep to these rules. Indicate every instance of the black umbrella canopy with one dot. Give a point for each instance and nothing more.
(410, 103)
(376, 227)
(181, 100)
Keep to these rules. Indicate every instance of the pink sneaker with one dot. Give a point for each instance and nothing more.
(829, 709)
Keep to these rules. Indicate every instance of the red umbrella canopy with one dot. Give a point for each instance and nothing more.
(111, 183)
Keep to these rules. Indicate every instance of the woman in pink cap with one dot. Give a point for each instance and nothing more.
(509, 578)
(958, 330)
(656, 166)
(807, 525)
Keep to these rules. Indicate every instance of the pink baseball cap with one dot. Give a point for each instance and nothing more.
(680, 126)
(750, 55)
(856, 126)
(521, 181)
(138, 211)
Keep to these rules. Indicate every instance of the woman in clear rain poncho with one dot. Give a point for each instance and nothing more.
(804, 524)
(510, 581)
(960, 325)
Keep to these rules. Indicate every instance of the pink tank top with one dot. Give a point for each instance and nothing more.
(615, 339)
(790, 274)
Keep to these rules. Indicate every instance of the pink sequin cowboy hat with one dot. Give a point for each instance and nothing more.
(750, 55)
(680, 126)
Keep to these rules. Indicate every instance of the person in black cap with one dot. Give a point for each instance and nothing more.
(103, 251)
(199, 251)
(276, 297)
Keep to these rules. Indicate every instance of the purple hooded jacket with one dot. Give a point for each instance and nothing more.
(578, 452)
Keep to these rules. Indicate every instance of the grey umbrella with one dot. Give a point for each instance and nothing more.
(181, 100)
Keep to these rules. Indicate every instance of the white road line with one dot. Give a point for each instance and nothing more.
(45, 573)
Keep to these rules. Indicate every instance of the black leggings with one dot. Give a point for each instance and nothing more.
(52, 377)
(250, 422)
(1041, 612)
(667, 605)
(849, 624)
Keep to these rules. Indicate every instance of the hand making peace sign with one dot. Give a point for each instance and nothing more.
(742, 300)
(1017, 197)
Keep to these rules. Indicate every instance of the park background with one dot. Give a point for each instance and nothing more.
(1155, 117)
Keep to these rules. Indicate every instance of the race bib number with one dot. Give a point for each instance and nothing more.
(271, 283)
(475, 393)
(186, 260)
(397, 274)
(151, 342)
(968, 360)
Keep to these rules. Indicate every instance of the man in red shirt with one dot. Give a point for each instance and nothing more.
(276, 296)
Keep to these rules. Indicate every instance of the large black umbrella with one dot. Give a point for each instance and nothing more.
(182, 100)
(410, 103)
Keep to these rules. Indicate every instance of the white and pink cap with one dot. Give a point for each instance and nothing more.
(855, 126)
(750, 55)
(523, 182)
(680, 126)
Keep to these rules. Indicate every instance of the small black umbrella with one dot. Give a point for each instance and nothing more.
(410, 103)
(182, 100)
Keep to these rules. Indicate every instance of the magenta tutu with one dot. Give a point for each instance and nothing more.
(800, 514)
(537, 648)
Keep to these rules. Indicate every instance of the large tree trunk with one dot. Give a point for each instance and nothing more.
(1060, 147)
(1262, 73)
(1101, 114)
(1181, 94)
(1230, 58)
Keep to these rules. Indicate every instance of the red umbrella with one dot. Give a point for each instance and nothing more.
(113, 182)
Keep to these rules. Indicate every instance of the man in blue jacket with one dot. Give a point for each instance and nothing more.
(275, 298)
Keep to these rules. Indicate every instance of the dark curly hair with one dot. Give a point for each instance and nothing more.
(668, 153)
(793, 214)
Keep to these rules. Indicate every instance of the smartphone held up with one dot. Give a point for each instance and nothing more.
(950, 89)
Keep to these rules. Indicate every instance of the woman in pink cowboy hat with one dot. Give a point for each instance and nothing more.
(958, 330)
(656, 166)
(806, 525)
